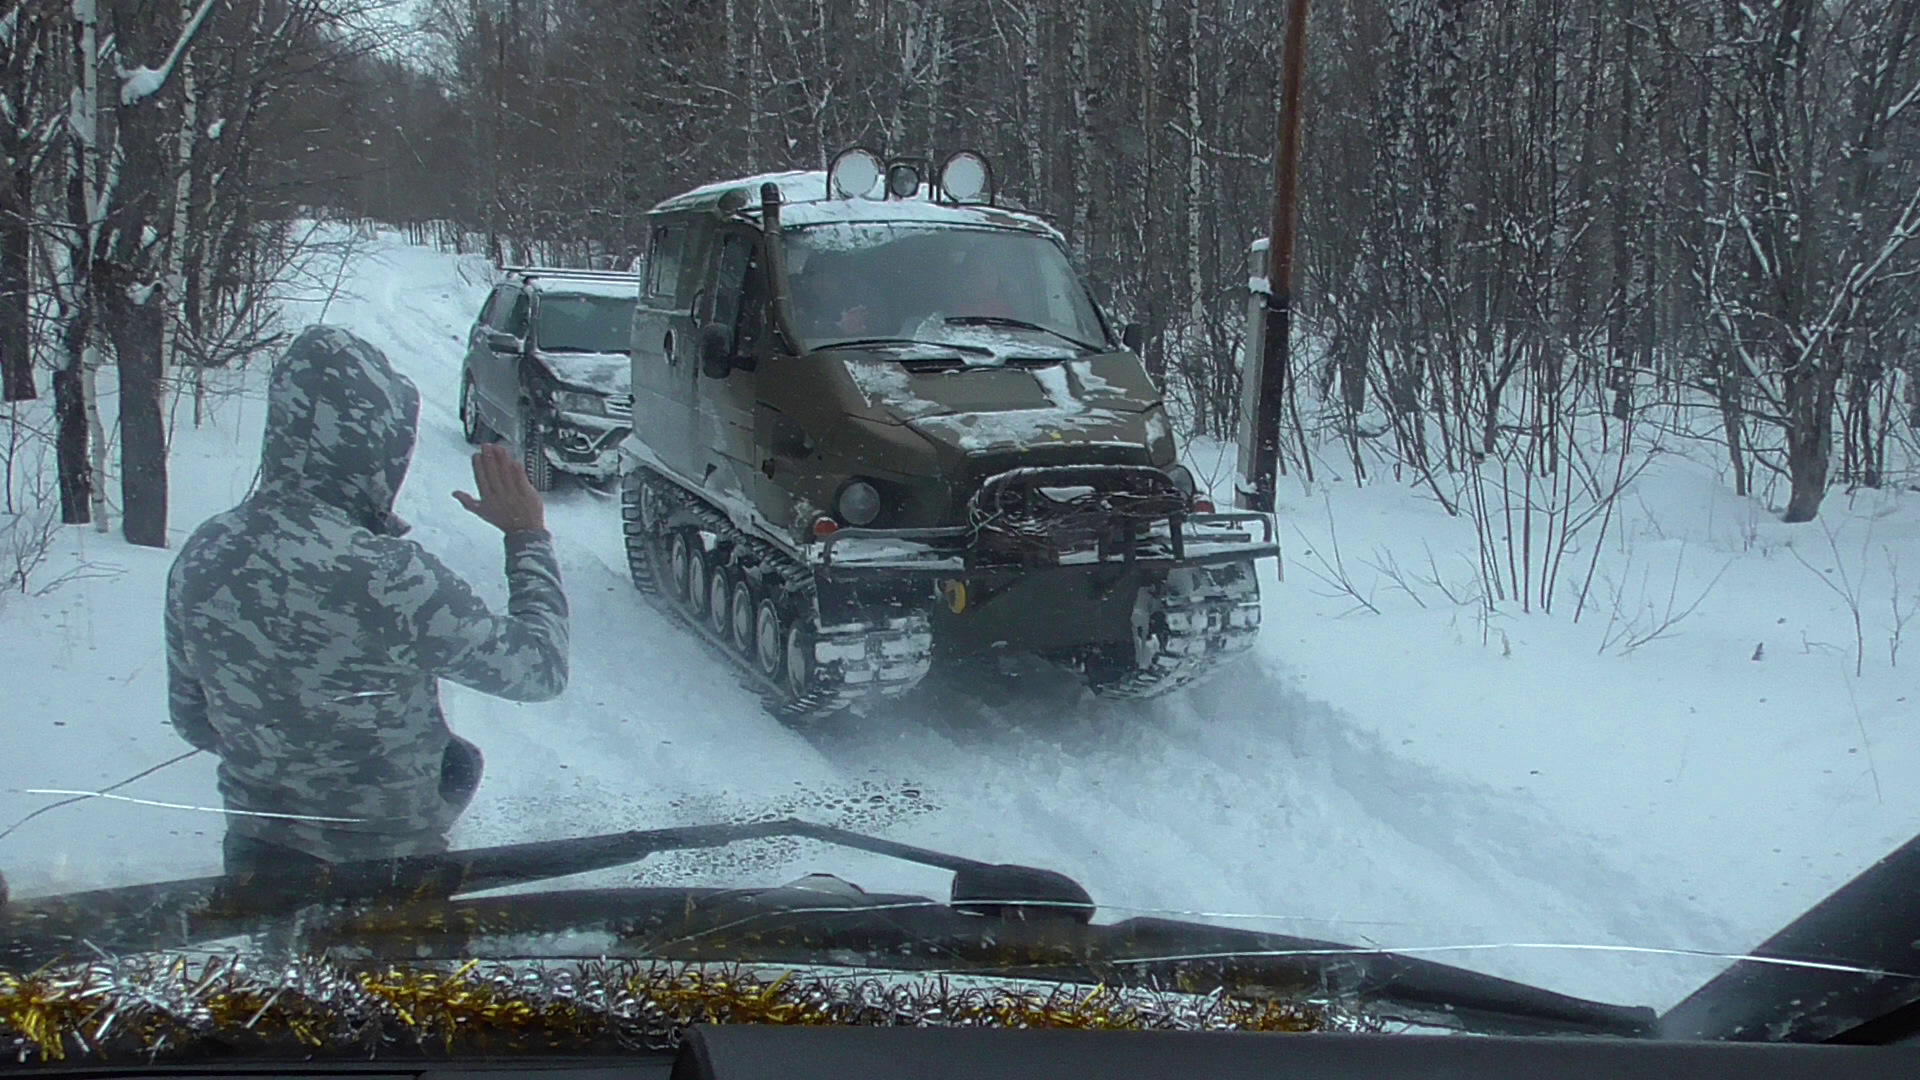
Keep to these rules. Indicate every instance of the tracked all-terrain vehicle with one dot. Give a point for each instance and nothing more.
(879, 419)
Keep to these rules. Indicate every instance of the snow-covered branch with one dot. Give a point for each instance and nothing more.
(141, 83)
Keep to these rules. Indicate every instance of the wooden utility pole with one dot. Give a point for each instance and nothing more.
(1276, 362)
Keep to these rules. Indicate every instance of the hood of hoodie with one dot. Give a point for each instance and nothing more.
(341, 427)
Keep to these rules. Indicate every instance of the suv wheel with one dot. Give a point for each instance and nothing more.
(474, 428)
(533, 452)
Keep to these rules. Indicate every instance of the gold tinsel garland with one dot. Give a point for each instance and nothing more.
(148, 1007)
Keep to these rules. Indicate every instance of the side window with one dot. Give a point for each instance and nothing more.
(515, 321)
(494, 310)
(750, 327)
(663, 265)
(729, 278)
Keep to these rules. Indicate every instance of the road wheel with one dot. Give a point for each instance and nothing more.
(720, 600)
(742, 617)
(533, 452)
(697, 575)
(799, 660)
(474, 428)
(769, 639)
(679, 567)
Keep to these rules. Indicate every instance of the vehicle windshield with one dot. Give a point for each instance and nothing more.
(584, 323)
(934, 283)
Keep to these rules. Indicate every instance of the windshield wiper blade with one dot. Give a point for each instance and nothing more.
(980, 350)
(1018, 324)
(178, 914)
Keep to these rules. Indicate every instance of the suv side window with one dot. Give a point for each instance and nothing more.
(493, 312)
(663, 264)
(515, 320)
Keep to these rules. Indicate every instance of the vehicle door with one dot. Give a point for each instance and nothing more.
(480, 360)
(497, 370)
(665, 358)
(724, 419)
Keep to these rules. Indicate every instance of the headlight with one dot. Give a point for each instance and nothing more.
(1182, 479)
(859, 503)
(580, 402)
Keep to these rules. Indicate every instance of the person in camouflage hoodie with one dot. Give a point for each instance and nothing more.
(305, 639)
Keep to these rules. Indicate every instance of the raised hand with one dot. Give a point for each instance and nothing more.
(507, 500)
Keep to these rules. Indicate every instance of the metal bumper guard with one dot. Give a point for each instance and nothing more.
(1096, 509)
(1193, 540)
(584, 443)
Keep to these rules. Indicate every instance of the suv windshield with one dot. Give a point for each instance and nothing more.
(584, 324)
(856, 281)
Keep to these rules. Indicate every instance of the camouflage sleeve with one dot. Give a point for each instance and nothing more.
(186, 698)
(522, 655)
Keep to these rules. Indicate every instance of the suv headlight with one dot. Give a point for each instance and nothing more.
(579, 401)
(1182, 479)
(859, 503)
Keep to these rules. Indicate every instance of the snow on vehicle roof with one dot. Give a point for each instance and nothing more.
(805, 202)
(617, 288)
(796, 185)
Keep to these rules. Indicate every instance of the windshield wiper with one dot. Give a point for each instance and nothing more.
(1018, 324)
(979, 350)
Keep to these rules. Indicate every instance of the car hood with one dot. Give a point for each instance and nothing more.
(602, 373)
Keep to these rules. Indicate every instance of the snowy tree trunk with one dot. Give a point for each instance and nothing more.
(755, 64)
(16, 253)
(18, 46)
(137, 324)
(1196, 180)
(1810, 393)
(1030, 86)
(130, 285)
(936, 78)
(738, 73)
(1082, 193)
(94, 183)
(1155, 353)
(179, 237)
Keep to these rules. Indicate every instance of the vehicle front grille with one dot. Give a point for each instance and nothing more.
(620, 406)
(1035, 514)
(979, 467)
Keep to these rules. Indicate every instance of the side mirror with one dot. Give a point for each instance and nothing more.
(501, 341)
(716, 351)
(1133, 337)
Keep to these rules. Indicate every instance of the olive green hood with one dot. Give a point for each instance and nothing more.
(974, 408)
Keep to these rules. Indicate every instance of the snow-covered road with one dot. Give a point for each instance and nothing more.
(1248, 799)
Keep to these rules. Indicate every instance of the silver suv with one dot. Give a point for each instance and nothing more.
(547, 369)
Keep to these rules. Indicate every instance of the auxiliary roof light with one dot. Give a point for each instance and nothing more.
(853, 174)
(965, 177)
(903, 178)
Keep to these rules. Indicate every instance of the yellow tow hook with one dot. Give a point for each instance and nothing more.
(955, 592)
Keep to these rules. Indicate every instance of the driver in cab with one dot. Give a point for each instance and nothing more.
(826, 305)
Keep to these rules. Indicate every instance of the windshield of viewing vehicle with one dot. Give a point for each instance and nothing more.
(853, 281)
(1520, 574)
(584, 324)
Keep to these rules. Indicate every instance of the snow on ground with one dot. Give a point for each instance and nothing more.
(1419, 777)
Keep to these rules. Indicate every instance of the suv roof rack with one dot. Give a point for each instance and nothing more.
(562, 271)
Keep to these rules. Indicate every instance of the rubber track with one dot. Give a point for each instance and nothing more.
(1211, 615)
(853, 663)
